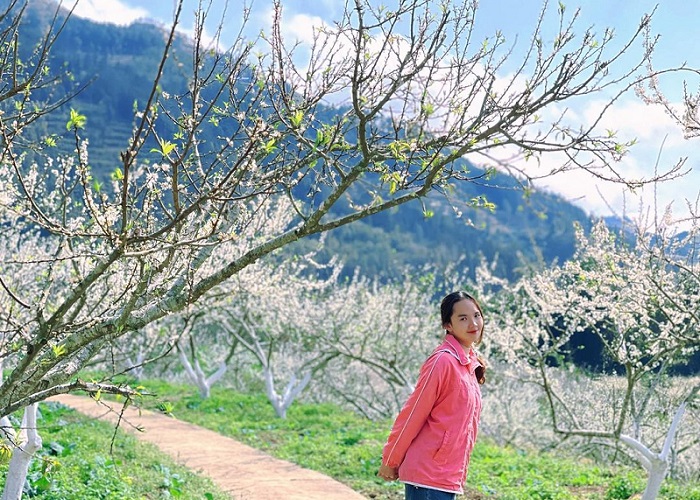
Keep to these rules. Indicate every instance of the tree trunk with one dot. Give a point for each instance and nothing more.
(198, 377)
(656, 476)
(29, 443)
(293, 389)
(656, 464)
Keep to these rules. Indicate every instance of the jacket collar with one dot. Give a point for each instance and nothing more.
(452, 345)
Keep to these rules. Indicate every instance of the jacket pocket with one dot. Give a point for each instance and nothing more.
(442, 454)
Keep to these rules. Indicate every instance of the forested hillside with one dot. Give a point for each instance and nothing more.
(117, 63)
(515, 232)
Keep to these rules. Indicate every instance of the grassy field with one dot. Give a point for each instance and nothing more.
(348, 448)
(76, 462)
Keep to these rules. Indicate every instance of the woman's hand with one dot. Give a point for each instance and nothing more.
(388, 473)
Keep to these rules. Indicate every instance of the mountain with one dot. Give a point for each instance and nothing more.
(120, 62)
(113, 66)
(517, 232)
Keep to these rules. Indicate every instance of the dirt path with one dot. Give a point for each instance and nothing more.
(243, 472)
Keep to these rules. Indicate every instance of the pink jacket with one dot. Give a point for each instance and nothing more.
(434, 433)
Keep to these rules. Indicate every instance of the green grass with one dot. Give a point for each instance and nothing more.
(348, 448)
(75, 463)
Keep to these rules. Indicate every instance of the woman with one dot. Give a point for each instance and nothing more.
(433, 436)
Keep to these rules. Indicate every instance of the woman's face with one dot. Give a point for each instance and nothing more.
(466, 322)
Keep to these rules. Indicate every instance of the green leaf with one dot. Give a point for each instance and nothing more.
(166, 407)
(166, 147)
(76, 121)
(270, 146)
(42, 484)
(297, 118)
(58, 350)
(5, 453)
(320, 138)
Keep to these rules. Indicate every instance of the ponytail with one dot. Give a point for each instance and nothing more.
(480, 372)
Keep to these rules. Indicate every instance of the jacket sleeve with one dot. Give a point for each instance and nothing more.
(415, 412)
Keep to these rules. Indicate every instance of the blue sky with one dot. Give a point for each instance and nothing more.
(659, 140)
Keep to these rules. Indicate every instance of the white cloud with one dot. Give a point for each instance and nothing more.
(208, 41)
(301, 27)
(109, 11)
(637, 120)
(660, 146)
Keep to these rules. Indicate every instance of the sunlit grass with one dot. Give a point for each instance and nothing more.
(348, 448)
(78, 462)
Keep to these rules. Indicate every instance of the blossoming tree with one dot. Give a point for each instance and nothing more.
(266, 310)
(639, 305)
(417, 93)
(376, 335)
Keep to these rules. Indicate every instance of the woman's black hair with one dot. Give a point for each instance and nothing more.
(447, 308)
(448, 304)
